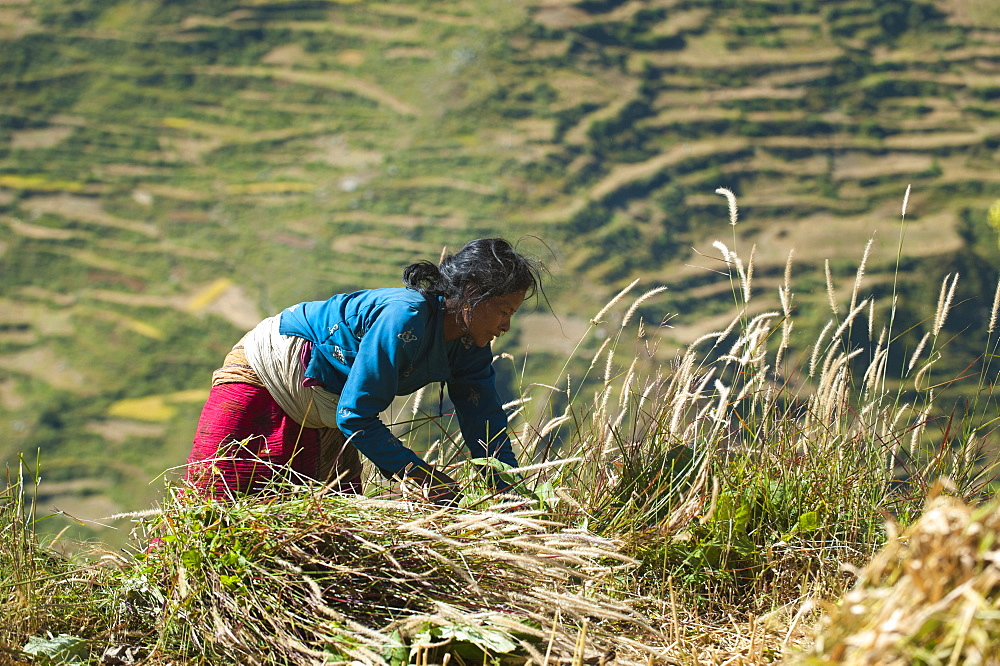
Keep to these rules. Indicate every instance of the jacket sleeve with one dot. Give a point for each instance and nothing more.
(480, 413)
(392, 343)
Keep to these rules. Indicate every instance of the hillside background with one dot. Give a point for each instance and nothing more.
(171, 172)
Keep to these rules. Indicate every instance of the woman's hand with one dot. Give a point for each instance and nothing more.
(441, 488)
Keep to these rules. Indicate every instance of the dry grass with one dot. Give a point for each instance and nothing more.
(931, 596)
(311, 576)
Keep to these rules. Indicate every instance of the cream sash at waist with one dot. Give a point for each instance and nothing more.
(276, 360)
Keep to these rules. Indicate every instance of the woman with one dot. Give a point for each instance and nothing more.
(299, 396)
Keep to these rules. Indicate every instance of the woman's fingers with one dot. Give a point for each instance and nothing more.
(441, 488)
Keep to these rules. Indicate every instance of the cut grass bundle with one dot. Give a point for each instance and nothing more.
(931, 596)
(312, 576)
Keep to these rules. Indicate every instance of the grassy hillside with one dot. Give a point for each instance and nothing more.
(705, 515)
(172, 171)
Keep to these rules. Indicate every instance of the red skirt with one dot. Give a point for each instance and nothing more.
(245, 441)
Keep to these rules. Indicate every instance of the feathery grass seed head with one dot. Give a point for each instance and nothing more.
(597, 318)
(638, 302)
(944, 302)
(731, 199)
(917, 351)
(817, 347)
(861, 271)
(993, 309)
(830, 293)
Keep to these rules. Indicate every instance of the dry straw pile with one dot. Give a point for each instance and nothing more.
(931, 596)
(324, 578)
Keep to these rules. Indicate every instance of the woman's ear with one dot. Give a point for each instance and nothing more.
(465, 316)
(461, 311)
(471, 294)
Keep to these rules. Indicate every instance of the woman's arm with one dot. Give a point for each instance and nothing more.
(479, 410)
(392, 342)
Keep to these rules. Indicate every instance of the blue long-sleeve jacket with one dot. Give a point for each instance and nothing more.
(372, 345)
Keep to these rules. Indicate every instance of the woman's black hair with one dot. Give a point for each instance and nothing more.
(484, 268)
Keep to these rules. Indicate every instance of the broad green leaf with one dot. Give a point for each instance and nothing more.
(396, 653)
(489, 640)
(734, 510)
(516, 482)
(809, 521)
(63, 649)
(544, 493)
(230, 581)
(191, 559)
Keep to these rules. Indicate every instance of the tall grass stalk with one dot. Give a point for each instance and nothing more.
(736, 469)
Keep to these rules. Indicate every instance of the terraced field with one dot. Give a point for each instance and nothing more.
(171, 172)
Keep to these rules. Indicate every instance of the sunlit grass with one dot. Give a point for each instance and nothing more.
(39, 183)
(692, 509)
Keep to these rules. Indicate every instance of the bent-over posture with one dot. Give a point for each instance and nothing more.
(300, 394)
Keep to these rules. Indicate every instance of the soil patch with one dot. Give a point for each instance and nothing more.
(85, 209)
(542, 332)
(39, 138)
(410, 52)
(9, 397)
(118, 430)
(228, 301)
(45, 365)
(859, 166)
(329, 79)
(288, 56)
(335, 151)
(39, 231)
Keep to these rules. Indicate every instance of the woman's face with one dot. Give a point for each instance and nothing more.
(491, 318)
